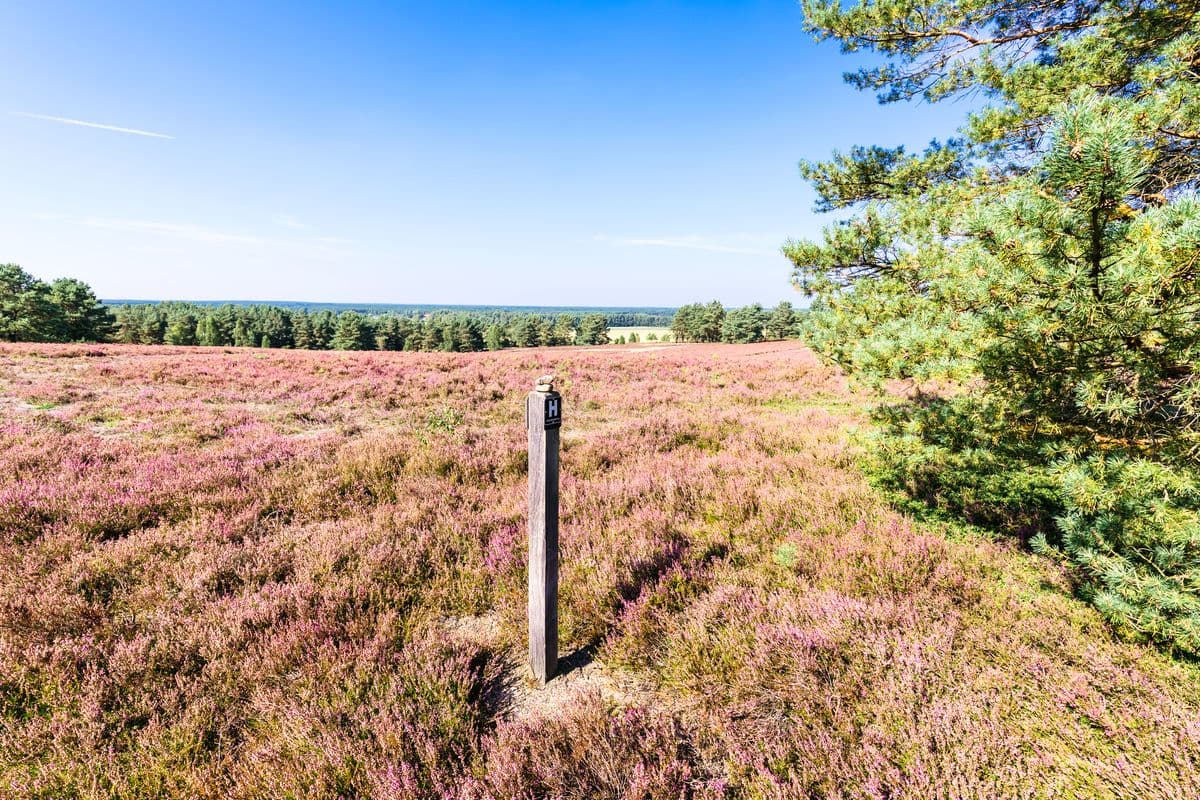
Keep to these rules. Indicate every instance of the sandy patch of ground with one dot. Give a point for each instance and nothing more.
(519, 697)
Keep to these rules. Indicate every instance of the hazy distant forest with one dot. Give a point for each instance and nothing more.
(67, 310)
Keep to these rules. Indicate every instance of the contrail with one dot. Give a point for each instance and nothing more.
(66, 121)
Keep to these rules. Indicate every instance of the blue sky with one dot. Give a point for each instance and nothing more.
(639, 153)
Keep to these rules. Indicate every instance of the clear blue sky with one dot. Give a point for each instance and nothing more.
(638, 153)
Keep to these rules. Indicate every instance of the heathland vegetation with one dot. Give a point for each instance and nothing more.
(1047, 262)
(273, 573)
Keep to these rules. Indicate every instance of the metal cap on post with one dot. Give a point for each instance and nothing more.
(543, 417)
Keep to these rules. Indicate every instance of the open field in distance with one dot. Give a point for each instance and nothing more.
(642, 332)
(260, 573)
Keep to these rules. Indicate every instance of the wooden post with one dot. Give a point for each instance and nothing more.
(543, 416)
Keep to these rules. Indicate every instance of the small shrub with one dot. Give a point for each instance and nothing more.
(595, 752)
(1132, 530)
(444, 420)
(957, 456)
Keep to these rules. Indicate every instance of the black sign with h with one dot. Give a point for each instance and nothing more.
(553, 417)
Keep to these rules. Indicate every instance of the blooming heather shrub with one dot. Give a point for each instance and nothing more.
(594, 751)
(230, 574)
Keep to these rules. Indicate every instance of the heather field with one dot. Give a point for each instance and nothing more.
(275, 574)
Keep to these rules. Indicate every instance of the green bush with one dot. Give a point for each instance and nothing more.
(1132, 528)
(957, 456)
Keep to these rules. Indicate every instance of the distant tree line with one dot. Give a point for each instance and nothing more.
(651, 317)
(234, 325)
(67, 310)
(711, 322)
(64, 310)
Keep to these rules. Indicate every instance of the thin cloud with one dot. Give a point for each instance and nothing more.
(97, 125)
(707, 244)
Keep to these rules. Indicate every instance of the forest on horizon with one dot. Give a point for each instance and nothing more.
(67, 310)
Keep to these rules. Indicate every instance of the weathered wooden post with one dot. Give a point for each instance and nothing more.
(543, 417)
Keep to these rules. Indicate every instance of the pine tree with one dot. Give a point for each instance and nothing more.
(276, 327)
(406, 330)
(351, 332)
(126, 325)
(445, 335)
(181, 330)
(710, 322)
(388, 335)
(224, 321)
(527, 331)
(876, 276)
(152, 326)
(467, 335)
(26, 309)
(302, 331)
(782, 322)
(79, 315)
(206, 332)
(242, 337)
(1047, 256)
(744, 325)
(561, 331)
(427, 337)
(541, 331)
(683, 324)
(593, 329)
(494, 338)
(323, 330)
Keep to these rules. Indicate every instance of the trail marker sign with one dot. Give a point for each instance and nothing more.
(553, 415)
(543, 418)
